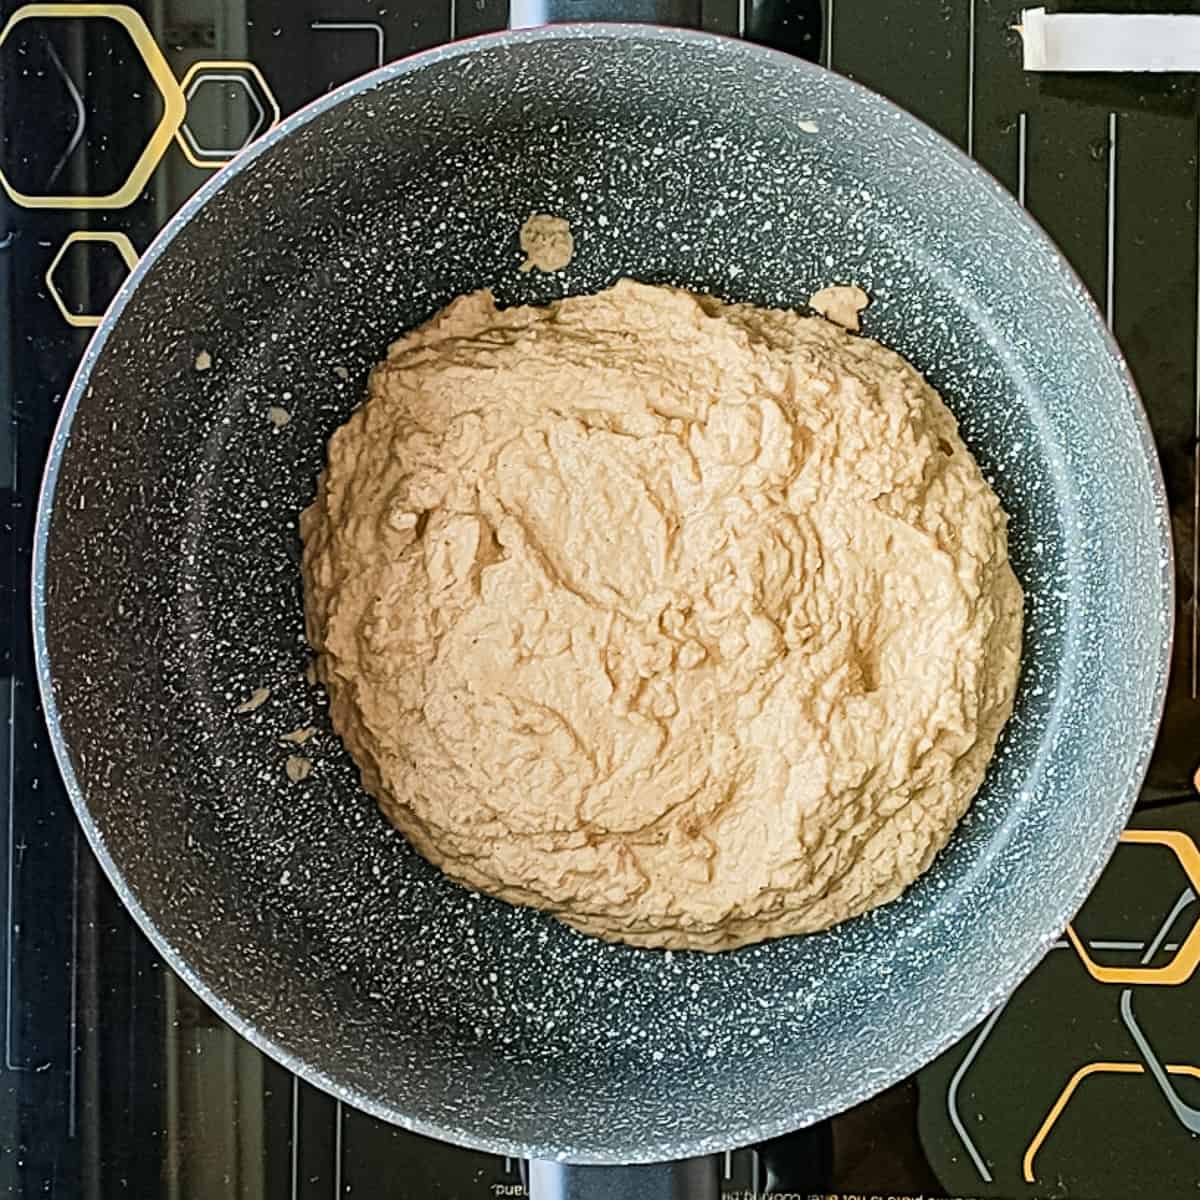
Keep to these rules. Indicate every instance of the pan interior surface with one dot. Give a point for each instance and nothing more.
(169, 587)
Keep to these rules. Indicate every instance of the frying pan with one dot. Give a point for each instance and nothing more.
(167, 590)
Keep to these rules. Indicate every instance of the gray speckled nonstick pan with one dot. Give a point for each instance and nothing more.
(168, 588)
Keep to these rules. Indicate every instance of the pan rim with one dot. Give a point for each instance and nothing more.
(660, 1149)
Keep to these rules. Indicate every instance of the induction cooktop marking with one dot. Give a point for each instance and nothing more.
(1196, 556)
(1022, 154)
(1127, 947)
(1110, 267)
(73, 1025)
(1185, 960)
(174, 105)
(12, 869)
(337, 1153)
(369, 27)
(971, 79)
(1096, 1068)
(80, 115)
(1188, 1116)
(222, 153)
(295, 1136)
(252, 81)
(1195, 647)
(952, 1096)
(123, 246)
(985, 1030)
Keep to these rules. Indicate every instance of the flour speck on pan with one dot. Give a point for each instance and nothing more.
(547, 242)
(691, 623)
(255, 700)
(840, 303)
(298, 768)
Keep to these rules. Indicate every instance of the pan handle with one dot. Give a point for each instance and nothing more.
(690, 1179)
(522, 14)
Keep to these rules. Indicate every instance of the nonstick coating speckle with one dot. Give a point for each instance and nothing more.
(169, 590)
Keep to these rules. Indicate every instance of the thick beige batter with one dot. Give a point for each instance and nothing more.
(691, 623)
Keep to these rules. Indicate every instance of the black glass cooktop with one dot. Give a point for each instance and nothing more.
(116, 1081)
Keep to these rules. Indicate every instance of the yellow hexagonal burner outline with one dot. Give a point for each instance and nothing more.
(174, 105)
(254, 76)
(1187, 957)
(124, 248)
(1084, 1072)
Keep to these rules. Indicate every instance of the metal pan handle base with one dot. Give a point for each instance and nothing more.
(523, 14)
(690, 1179)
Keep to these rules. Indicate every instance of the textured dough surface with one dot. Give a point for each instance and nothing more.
(691, 623)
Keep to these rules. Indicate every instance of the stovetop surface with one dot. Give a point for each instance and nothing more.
(115, 1080)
